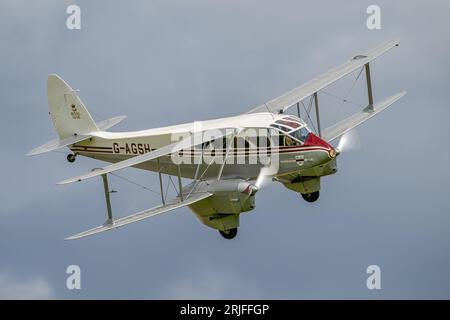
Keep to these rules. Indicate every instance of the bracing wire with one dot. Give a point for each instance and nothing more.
(308, 111)
(342, 99)
(201, 176)
(173, 185)
(167, 189)
(134, 183)
(345, 99)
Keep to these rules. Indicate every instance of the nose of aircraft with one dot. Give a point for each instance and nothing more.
(313, 140)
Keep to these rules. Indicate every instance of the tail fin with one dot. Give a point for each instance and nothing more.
(69, 115)
(71, 120)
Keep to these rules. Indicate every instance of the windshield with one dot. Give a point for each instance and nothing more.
(292, 127)
(300, 134)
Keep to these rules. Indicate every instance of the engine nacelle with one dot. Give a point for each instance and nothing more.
(230, 198)
(304, 185)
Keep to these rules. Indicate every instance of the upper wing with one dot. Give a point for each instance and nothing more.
(195, 139)
(170, 205)
(283, 102)
(356, 119)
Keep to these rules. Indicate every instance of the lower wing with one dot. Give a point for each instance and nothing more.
(168, 206)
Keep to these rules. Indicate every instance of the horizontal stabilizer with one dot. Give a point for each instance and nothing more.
(169, 206)
(355, 120)
(58, 143)
(109, 123)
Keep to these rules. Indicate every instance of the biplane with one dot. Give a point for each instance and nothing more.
(225, 160)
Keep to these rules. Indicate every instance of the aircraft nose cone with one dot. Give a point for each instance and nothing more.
(249, 189)
(313, 140)
(334, 153)
(254, 190)
(338, 151)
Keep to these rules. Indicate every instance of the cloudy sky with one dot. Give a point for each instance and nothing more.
(166, 62)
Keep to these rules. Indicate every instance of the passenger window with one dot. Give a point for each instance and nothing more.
(241, 143)
(281, 140)
(263, 140)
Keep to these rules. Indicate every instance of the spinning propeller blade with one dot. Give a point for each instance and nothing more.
(264, 173)
(349, 141)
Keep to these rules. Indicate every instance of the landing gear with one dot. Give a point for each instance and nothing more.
(229, 234)
(311, 197)
(71, 157)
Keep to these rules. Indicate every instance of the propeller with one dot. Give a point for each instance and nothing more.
(251, 189)
(264, 173)
(349, 141)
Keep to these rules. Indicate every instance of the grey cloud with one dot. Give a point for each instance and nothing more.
(12, 287)
(211, 283)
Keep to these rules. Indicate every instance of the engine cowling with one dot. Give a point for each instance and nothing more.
(230, 198)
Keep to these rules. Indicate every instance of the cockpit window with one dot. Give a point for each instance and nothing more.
(288, 123)
(292, 131)
(288, 141)
(300, 134)
(282, 128)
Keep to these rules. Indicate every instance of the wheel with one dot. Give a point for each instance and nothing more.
(71, 157)
(229, 234)
(311, 197)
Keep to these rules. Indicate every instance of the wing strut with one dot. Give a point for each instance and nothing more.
(369, 107)
(369, 87)
(167, 205)
(161, 183)
(109, 220)
(180, 186)
(316, 102)
(107, 198)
